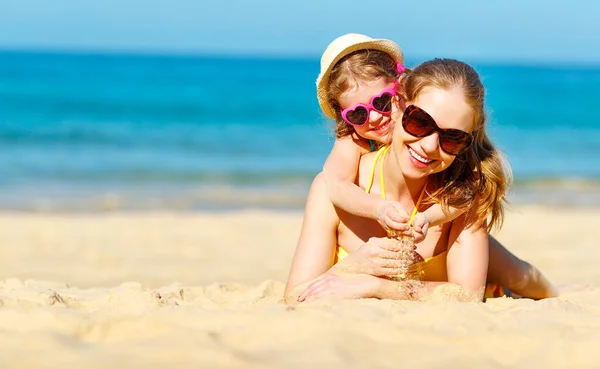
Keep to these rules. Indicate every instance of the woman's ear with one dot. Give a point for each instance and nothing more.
(398, 107)
(400, 102)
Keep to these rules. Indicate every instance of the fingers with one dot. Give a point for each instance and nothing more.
(394, 263)
(400, 211)
(308, 291)
(316, 290)
(420, 232)
(421, 219)
(390, 207)
(424, 229)
(392, 216)
(397, 216)
(390, 254)
(389, 244)
(394, 271)
(320, 293)
(393, 225)
(418, 237)
(312, 288)
(389, 267)
(379, 241)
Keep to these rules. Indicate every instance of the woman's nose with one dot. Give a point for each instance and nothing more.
(430, 144)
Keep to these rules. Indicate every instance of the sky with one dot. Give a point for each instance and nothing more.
(510, 30)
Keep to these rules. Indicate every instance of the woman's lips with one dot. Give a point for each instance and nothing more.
(418, 160)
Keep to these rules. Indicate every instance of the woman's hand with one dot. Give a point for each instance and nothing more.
(342, 286)
(377, 257)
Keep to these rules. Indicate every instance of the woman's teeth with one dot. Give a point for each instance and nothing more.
(419, 157)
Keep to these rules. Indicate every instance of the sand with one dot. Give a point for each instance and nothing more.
(149, 290)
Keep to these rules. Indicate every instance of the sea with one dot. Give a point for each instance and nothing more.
(98, 132)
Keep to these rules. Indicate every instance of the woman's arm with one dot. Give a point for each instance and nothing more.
(467, 263)
(468, 258)
(317, 243)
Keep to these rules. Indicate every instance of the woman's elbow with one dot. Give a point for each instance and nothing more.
(472, 294)
(291, 294)
(290, 298)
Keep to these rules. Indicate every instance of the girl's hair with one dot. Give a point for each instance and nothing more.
(361, 65)
(479, 178)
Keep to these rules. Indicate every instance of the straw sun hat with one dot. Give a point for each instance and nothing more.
(341, 47)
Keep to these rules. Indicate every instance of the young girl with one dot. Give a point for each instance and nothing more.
(444, 116)
(360, 87)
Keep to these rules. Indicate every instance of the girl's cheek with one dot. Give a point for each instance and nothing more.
(361, 131)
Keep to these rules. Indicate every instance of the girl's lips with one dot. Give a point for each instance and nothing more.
(383, 128)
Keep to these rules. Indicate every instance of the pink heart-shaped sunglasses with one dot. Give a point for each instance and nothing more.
(358, 115)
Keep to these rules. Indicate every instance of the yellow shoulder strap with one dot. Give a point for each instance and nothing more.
(415, 210)
(381, 182)
(370, 184)
(383, 151)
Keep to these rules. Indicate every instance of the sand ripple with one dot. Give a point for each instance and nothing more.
(236, 325)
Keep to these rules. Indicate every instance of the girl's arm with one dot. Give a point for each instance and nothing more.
(317, 243)
(340, 172)
(435, 216)
(432, 217)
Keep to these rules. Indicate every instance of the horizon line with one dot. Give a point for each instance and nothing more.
(264, 55)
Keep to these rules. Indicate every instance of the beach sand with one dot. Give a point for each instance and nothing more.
(204, 290)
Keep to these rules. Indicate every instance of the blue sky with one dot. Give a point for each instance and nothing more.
(511, 30)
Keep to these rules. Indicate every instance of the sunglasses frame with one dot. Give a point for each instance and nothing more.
(368, 108)
(444, 134)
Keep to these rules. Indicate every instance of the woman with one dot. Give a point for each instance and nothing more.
(440, 154)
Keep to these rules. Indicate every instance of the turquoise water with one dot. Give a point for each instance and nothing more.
(112, 131)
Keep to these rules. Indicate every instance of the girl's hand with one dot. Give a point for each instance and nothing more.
(420, 227)
(341, 286)
(393, 217)
(377, 257)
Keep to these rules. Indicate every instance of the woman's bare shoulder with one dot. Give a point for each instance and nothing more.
(365, 168)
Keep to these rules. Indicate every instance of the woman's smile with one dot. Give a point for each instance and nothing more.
(418, 160)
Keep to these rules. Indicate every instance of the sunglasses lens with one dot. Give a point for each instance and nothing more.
(358, 116)
(417, 122)
(383, 103)
(454, 141)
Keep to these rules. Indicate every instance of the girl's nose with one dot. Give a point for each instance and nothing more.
(374, 115)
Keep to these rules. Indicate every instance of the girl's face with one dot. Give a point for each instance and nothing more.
(419, 157)
(379, 127)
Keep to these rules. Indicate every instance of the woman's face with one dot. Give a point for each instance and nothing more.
(420, 157)
(379, 127)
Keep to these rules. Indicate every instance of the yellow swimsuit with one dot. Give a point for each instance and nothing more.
(430, 269)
